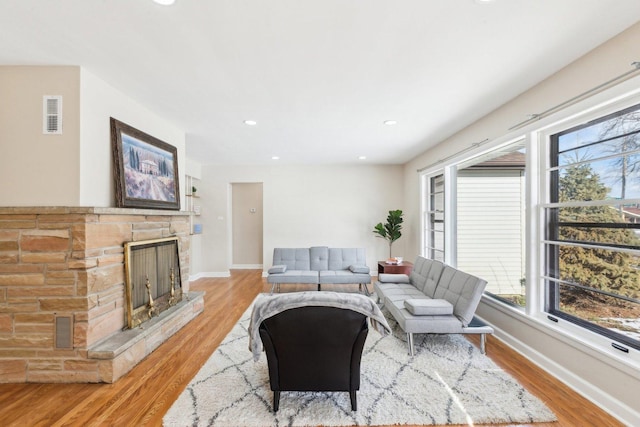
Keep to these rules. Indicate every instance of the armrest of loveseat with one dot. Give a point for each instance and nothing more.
(393, 278)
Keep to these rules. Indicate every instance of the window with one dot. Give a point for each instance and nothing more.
(435, 219)
(490, 223)
(593, 237)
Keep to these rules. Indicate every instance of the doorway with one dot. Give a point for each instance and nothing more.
(246, 220)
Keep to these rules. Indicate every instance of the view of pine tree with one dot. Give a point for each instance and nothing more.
(604, 269)
(622, 133)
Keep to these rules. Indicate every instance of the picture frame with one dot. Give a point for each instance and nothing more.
(145, 169)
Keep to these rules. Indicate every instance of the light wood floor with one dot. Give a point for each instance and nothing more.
(142, 397)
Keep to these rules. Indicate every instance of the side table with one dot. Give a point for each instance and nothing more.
(404, 267)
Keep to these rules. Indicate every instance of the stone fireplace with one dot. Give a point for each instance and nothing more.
(62, 292)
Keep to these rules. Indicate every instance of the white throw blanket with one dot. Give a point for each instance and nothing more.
(266, 306)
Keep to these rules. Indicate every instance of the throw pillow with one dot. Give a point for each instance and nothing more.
(359, 269)
(428, 307)
(393, 278)
(280, 268)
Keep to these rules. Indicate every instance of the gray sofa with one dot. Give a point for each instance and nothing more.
(319, 265)
(434, 299)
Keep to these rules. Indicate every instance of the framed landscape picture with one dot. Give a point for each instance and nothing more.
(145, 169)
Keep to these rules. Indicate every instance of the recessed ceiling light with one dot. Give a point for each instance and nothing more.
(484, 1)
(390, 122)
(250, 122)
(165, 2)
(275, 158)
(362, 158)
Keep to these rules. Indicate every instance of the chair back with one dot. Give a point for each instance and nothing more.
(314, 348)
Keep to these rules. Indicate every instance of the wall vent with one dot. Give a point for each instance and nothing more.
(52, 115)
(64, 332)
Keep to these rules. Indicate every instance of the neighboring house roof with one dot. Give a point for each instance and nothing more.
(515, 160)
(631, 211)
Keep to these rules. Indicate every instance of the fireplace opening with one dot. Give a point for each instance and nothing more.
(152, 276)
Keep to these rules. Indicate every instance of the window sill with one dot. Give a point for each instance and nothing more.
(582, 340)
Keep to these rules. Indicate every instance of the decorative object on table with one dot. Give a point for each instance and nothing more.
(448, 381)
(392, 229)
(145, 169)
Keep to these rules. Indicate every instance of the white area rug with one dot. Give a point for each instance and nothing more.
(448, 381)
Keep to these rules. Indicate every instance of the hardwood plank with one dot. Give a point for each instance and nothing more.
(142, 397)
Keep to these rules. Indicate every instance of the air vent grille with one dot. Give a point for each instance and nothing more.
(52, 115)
(64, 332)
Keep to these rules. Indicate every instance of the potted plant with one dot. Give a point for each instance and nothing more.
(391, 230)
(193, 191)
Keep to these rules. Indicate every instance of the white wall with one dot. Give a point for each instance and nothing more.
(98, 102)
(304, 206)
(38, 169)
(588, 365)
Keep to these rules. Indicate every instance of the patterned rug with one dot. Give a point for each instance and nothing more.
(448, 381)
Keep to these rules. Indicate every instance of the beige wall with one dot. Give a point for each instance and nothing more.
(36, 168)
(303, 206)
(587, 364)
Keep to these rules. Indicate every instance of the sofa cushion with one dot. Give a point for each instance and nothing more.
(360, 269)
(426, 274)
(393, 278)
(319, 258)
(428, 307)
(343, 277)
(424, 324)
(462, 290)
(277, 269)
(342, 258)
(294, 276)
(293, 258)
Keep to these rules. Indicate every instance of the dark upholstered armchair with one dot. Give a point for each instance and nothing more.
(314, 348)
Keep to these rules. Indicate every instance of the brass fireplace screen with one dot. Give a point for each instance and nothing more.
(152, 276)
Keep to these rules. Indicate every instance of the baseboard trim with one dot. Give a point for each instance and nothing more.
(246, 267)
(617, 409)
(215, 274)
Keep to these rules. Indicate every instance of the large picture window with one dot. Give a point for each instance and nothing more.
(435, 233)
(593, 236)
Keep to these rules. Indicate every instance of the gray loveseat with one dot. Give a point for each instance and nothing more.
(434, 299)
(319, 265)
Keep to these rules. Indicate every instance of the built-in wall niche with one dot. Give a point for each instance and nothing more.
(152, 274)
(193, 202)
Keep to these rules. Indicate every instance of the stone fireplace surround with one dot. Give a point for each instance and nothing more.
(68, 263)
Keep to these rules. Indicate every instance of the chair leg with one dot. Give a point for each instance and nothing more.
(318, 286)
(483, 350)
(354, 402)
(410, 342)
(276, 401)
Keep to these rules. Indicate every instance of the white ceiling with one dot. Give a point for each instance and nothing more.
(319, 76)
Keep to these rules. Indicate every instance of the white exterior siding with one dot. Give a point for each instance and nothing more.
(490, 229)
